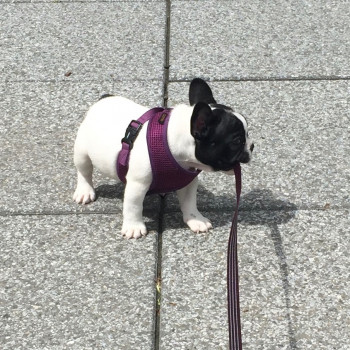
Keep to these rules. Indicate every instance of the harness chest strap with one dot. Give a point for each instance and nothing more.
(131, 134)
(167, 174)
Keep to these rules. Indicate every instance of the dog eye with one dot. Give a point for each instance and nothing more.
(238, 141)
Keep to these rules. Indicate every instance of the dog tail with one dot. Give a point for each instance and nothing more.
(104, 96)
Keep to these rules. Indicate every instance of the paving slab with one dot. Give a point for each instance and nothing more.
(301, 134)
(68, 279)
(294, 281)
(72, 282)
(82, 41)
(259, 39)
(38, 125)
(85, 1)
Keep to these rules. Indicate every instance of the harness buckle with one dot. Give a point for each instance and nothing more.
(131, 133)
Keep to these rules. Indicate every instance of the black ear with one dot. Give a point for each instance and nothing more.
(202, 120)
(200, 92)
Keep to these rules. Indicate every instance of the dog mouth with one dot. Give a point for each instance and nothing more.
(246, 157)
(247, 154)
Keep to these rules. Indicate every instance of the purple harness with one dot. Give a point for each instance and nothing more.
(167, 174)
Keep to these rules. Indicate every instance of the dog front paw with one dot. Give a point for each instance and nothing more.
(198, 223)
(84, 194)
(134, 230)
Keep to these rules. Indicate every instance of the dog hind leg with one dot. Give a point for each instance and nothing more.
(133, 224)
(84, 192)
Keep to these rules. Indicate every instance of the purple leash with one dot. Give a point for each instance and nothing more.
(234, 319)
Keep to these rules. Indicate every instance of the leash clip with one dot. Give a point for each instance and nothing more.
(131, 133)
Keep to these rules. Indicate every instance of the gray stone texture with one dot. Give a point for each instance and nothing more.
(48, 41)
(72, 282)
(38, 125)
(294, 281)
(301, 136)
(260, 39)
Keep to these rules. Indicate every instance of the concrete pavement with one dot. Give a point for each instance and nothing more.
(67, 278)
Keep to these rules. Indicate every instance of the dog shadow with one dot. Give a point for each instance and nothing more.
(258, 207)
(115, 191)
(268, 209)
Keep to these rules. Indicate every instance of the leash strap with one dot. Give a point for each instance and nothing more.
(234, 319)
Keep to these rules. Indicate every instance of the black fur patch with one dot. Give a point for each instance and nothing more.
(105, 95)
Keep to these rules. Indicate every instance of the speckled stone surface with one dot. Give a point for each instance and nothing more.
(67, 278)
(301, 134)
(259, 39)
(86, 41)
(38, 125)
(85, 1)
(294, 281)
(72, 282)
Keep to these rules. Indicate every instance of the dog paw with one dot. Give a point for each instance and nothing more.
(198, 223)
(84, 194)
(136, 230)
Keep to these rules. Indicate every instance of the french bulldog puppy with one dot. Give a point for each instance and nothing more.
(205, 136)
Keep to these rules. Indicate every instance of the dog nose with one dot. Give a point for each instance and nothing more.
(251, 147)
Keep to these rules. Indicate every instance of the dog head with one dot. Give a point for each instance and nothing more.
(221, 135)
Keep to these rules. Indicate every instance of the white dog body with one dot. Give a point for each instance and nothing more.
(99, 142)
(205, 136)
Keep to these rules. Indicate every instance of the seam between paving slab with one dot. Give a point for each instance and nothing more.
(167, 68)
(159, 239)
(73, 1)
(174, 211)
(279, 249)
(270, 79)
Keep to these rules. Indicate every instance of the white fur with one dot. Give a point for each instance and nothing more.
(248, 144)
(98, 143)
(245, 125)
